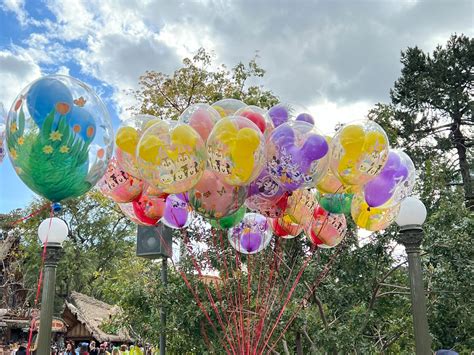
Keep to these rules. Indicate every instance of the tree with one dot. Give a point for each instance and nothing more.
(167, 96)
(433, 101)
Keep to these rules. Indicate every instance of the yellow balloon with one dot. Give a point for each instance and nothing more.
(242, 153)
(372, 218)
(352, 139)
(149, 149)
(374, 142)
(184, 135)
(127, 139)
(220, 110)
(227, 132)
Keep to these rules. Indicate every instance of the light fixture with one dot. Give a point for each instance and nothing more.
(54, 230)
(412, 212)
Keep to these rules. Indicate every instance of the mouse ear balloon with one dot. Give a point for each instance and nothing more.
(394, 183)
(297, 155)
(59, 137)
(201, 117)
(359, 151)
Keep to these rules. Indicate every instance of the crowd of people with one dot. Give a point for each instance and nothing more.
(92, 348)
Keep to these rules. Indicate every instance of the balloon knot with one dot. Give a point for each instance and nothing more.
(368, 209)
(56, 206)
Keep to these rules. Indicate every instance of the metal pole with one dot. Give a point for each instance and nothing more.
(164, 280)
(411, 237)
(53, 253)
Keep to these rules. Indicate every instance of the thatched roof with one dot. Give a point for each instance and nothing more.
(92, 314)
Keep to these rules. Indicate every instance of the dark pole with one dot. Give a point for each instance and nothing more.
(53, 254)
(164, 280)
(411, 237)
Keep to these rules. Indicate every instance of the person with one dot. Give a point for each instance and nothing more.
(21, 350)
(69, 349)
(115, 351)
(92, 349)
(103, 349)
(124, 350)
(84, 349)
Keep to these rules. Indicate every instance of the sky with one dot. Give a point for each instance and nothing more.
(336, 58)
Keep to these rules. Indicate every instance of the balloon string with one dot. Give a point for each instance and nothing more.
(31, 215)
(40, 278)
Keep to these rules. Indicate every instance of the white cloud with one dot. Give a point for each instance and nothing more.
(18, 8)
(17, 70)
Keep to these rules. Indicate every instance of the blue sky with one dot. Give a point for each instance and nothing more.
(337, 58)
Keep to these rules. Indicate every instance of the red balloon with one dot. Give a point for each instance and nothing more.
(256, 118)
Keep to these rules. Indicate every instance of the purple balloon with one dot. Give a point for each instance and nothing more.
(176, 211)
(278, 114)
(305, 117)
(379, 191)
(314, 148)
(393, 162)
(284, 136)
(250, 241)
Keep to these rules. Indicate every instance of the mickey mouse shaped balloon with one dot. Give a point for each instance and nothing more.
(59, 137)
(236, 150)
(251, 235)
(297, 155)
(171, 156)
(394, 183)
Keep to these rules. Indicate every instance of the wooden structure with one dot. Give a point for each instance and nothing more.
(85, 317)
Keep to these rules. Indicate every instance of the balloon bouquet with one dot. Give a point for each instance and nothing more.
(219, 161)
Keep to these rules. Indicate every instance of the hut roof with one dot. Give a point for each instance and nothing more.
(92, 313)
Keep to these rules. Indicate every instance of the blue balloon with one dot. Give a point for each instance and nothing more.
(82, 123)
(44, 95)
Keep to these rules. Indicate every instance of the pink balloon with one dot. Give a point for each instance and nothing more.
(326, 228)
(213, 198)
(118, 185)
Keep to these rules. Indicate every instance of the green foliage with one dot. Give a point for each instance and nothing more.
(52, 162)
(167, 96)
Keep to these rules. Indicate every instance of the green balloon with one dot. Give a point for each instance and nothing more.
(336, 203)
(230, 220)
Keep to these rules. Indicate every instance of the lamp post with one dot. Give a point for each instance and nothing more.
(410, 218)
(52, 233)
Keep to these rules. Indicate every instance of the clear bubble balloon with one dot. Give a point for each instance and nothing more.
(251, 235)
(285, 228)
(301, 204)
(394, 183)
(359, 151)
(326, 228)
(297, 155)
(171, 156)
(201, 117)
(118, 185)
(213, 198)
(236, 150)
(269, 207)
(59, 137)
(372, 218)
(178, 213)
(3, 118)
(228, 107)
(126, 141)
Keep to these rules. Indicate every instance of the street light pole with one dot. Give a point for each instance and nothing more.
(411, 237)
(52, 232)
(410, 218)
(53, 254)
(164, 280)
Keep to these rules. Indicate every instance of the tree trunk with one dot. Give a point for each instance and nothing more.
(299, 346)
(460, 144)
